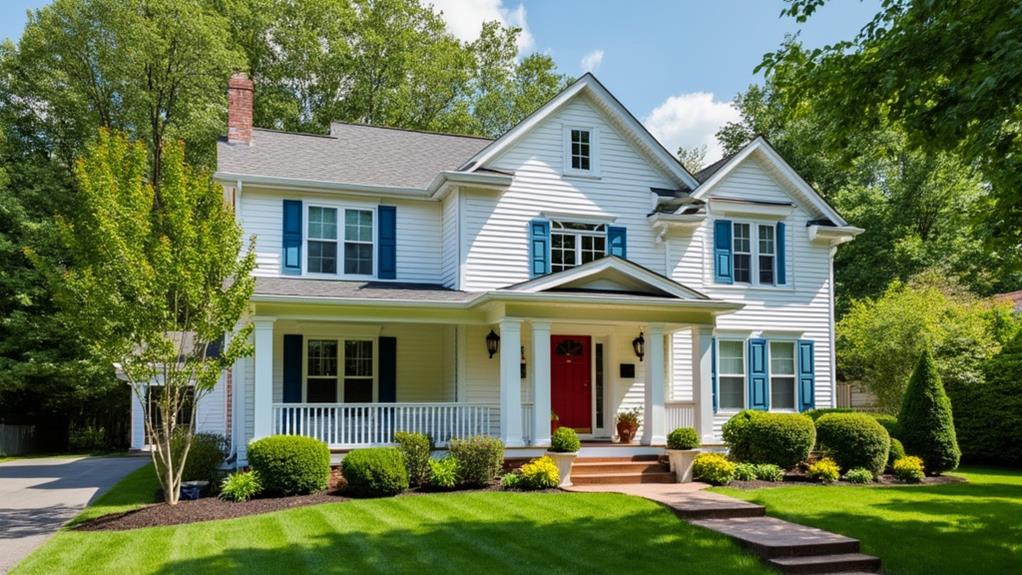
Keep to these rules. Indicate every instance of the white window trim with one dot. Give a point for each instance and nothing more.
(339, 395)
(744, 374)
(340, 207)
(579, 234)
(594, 152)
(754, 226)
(793, 375)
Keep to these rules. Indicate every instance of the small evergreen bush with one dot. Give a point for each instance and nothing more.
(736, 434)
(443, 473)
(539, 473)
(564, 440)
(240, 486)
(784, 439)
(926, 424)
(745, 471)
(416, 448)
(909, 469)
(815, 414)
(683, 438)
(290, 464)
(825, 470)
(859, 475)
(897, 452)
(854, 440)
(375, 471)
(769, 472)
(205, 457)
(889, 422)
(713, 468)
(480, 459)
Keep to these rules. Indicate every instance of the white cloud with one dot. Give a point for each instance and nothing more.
(465, 18)
(591, 61)
(691, 120)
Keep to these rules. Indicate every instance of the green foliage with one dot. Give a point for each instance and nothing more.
(769, 472)
(205, 456)
(683, 438)
(443, 473)
(539, 473)
(859, 475)
(630, 416)
(375, 471)
(825, 470)
(416, 448)
(927, 426)
(290, 464)
(909, 469)
(564, 440)
(88, 438)
(784, 439)
(240, 486)
(745, 471)
(713, 468)
(816, 414)
(479, 458)
(854, 440)
(510, 481)
(736, 434)
(897, 452)
(889, 422)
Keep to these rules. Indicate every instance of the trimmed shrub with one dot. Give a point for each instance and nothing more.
(926, 425)
(745, 471)
(540, 473)
(889, 422)
(815, 414)
(240, 486)
(713, 468)
(854, 440)
(897, 452)
(769, 472)
(683, 438)
(205, 457)
(564, 440)
(88, 438)
(825, 470)
(511, 481)
(375, 471)
(859, 475)
(784, 439)
(443, 473)
(416, 448)
(480, 459)
(290, 464)
(736, 434)
(909, 469)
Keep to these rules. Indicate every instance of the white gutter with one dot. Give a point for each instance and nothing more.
(441, 184)
(320, 185)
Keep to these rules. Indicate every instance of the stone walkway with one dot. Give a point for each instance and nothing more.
(789, 547)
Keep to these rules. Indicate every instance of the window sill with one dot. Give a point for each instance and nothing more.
(581, 176)
(752, 287)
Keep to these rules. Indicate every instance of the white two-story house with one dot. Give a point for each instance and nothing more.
(457, 285)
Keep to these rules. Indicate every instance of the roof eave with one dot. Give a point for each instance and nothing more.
(319, 185)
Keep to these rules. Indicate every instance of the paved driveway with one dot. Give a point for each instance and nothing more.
(37, 496)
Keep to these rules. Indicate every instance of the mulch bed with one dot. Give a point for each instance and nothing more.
(791, 479)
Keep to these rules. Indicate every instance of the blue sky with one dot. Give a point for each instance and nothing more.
(674, 64)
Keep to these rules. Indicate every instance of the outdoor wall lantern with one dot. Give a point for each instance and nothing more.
(492, 343)
(639, 345)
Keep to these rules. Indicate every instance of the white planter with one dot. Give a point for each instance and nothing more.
(681, 463)
(564, 462)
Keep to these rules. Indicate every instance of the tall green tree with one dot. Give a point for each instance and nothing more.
(151, 287)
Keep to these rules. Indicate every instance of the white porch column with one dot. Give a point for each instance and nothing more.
(137, 421)
(541, 384)
(654, 425)
(702, 373)
(262, 399)
(511, 382)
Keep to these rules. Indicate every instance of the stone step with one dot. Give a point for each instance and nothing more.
(770, 537)
(622, 478)
(626, 458)
(598, 467)
(839, 563)
(707, 505)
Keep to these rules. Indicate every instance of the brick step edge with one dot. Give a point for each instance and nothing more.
(838, 563)
(626, 467)
(623, 459)
(623, 478)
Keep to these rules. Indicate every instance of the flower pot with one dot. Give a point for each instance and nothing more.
(626, 431)
(681, 463)
(564, 462)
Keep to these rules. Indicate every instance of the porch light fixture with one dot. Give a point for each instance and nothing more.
(639, 345)
(492, 343)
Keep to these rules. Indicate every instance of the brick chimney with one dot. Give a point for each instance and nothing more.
(239, 109)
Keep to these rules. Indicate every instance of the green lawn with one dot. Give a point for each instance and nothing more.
(973, 527)
(136, 489)
(483, 532)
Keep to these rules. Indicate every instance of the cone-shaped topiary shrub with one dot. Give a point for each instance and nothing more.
(925, 423)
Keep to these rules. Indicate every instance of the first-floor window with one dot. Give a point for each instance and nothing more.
(782, 375)
(358, 371)
(731, 374)
(321, 386)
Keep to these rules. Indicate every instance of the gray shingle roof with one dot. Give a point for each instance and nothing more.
(300, 287)
(351, 154)
(707, 172)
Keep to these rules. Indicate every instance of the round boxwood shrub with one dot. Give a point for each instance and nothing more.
(290, 464)
(713, 468)
(565, 440)
(897, 452)
(926, 425)
(683, 438)
(889, 422)
(375, 471)
(854, 440)
(784, 439)
(736, 434)
(815, 414)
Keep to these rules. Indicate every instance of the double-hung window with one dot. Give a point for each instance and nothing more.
(358, 371)
(330, 360)
(337, 233)
(754, 248)
(581, 149)
(731, 374)
(358, 242)
(321, 371)
(767, 253)
(782, 375)
(573, 244)
(743, 252)
(322, 240)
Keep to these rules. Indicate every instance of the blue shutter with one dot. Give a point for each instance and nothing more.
(713, 372)
(388, 369)
(759, 397)
(779, 259)
(386, 233)
(723, 272)
(617, 241)
(292, 368)
(291, 263)
(806, 375)
(539, 247)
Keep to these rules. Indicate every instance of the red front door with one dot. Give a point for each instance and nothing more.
(570, 377)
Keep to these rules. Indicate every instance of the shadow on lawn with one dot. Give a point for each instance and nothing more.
(647, 542)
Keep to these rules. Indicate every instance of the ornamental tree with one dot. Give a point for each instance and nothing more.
(926, 424)
(153, 287)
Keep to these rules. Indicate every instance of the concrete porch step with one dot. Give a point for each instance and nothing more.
(621, 459)
(622, 478)
(772, 538)
(598, 467)
(839, 563)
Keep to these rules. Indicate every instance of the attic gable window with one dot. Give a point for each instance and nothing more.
(580, 151)
(574, 243)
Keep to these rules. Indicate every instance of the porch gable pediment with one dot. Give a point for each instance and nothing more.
(612, 275)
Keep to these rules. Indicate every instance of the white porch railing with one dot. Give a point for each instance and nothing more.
(680, 414)
(342, 425)
(527, 434)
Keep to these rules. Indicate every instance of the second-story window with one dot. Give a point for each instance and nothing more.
(743, 253)
(358, 242)
(581, 149)
(766, 254)
(322, 240)
(573, 244)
